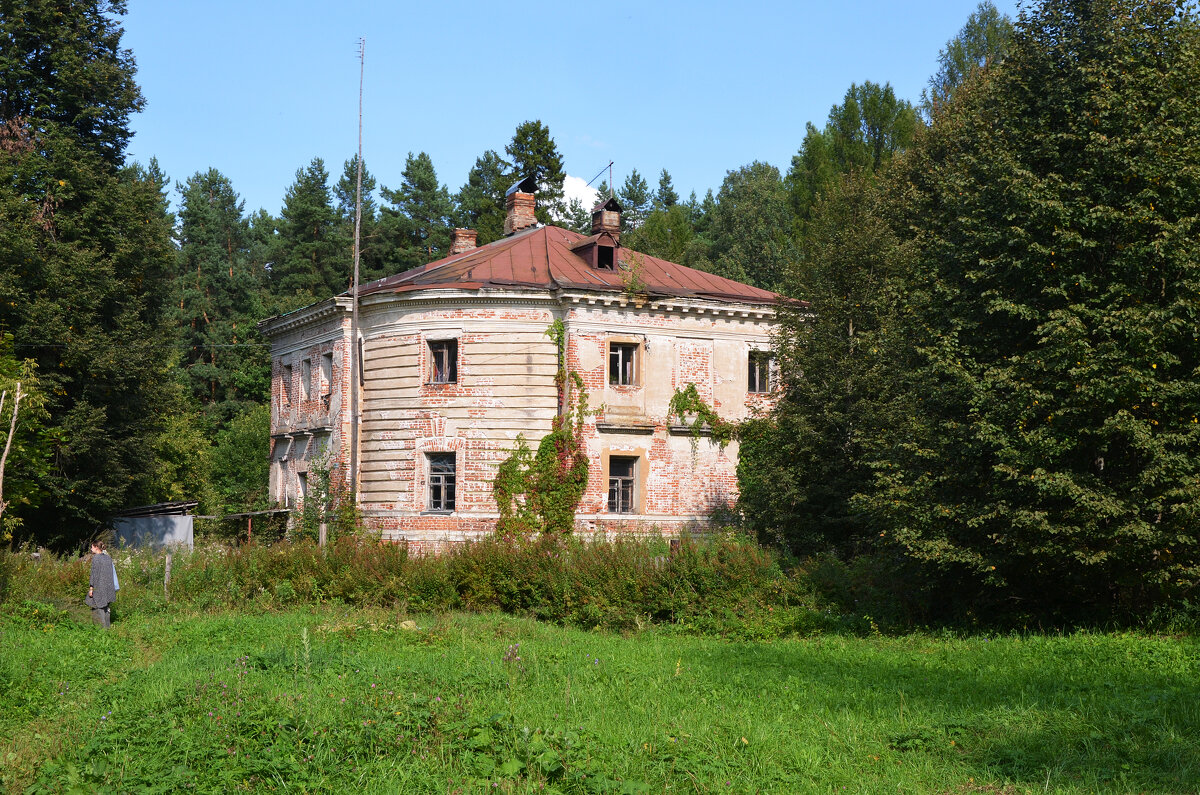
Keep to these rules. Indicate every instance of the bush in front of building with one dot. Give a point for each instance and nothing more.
(726, 584)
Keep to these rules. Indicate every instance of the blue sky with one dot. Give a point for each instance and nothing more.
(257, 89)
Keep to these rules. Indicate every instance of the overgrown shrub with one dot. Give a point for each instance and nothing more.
(727, 585)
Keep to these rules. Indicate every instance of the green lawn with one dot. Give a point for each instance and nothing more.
(337, 700)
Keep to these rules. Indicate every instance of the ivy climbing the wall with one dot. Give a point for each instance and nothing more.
(687, 403)
(540, 492)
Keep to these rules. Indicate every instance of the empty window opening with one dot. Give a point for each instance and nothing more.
(760, 372)
(302, 480)
(621, 363)
(306, 379)
(620, 484)
(443, 361)
(326, 377)
(441, 481)
(286, 392)
(605, 258)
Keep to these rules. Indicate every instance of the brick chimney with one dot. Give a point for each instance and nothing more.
(521, 206)
(463, 240)
(606, 217)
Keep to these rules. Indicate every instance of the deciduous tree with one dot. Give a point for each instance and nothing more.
(983, 41)
(752, 227)
(1050, 455)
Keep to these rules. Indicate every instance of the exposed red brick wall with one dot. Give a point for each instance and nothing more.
(464, 240)
(521, 214)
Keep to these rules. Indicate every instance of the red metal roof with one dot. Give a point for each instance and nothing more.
(542, 258)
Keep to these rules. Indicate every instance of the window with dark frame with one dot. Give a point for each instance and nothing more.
(441, 481)
(622, 368)
(620, 484)
(760, 372)
(443, 361)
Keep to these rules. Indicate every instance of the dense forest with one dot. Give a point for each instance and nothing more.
(989, 404)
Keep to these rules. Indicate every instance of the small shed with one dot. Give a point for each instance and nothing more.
(167, 524)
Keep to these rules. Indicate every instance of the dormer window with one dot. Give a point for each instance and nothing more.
(599, 251)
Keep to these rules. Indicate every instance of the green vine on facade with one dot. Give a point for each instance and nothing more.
(687, 402)
(328, 500)
(540, 492)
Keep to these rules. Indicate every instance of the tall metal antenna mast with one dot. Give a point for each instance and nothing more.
(355, 349)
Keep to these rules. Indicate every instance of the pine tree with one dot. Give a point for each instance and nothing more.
(665, 197)
(480, 202)
(534, 154)
(374, 255)
(418, 222)
(635, 200)
(219, 291)
(577, 218)
(313, 252)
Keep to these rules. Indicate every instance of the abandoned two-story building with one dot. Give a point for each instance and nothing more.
(456, 362)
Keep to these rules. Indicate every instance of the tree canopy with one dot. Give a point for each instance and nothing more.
(1050, 453)
(63, 64)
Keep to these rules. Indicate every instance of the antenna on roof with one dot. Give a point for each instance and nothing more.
(355, 363)
(598, 173)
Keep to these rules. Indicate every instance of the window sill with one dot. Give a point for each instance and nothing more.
(437, 513)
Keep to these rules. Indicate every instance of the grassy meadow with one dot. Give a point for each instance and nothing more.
(325, 698)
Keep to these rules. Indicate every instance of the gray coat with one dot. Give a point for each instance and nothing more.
(102, 581)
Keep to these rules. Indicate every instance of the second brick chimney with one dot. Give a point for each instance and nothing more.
(521, 206)
(463, 240)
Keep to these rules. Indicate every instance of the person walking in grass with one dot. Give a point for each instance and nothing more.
(102, 590)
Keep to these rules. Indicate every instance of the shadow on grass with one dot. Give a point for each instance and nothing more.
(1087, 711)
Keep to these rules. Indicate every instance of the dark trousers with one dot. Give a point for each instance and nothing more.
(102, 616)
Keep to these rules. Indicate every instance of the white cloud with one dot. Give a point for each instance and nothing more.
(577, 188)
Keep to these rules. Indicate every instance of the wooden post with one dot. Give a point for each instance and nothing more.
(249, 528)
(322, 533)
(167, 579)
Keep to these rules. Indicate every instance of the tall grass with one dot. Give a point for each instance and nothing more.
(725, 585)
